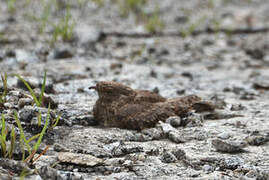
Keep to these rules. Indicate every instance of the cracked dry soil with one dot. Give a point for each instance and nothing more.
(228, 69)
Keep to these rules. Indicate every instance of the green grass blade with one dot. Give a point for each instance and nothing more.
(30, 90)
(23, 140)
(4, 80)
(33, 138)
(39, 117)
(3, 135)
(37, 144)
(12, 144)
(3, 145)
(3, 131)
(43, 87)
(56, 121)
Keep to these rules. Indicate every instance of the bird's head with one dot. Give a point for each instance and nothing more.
(112, 89)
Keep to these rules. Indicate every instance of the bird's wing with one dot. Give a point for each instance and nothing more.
(148, 97)
(140, 116)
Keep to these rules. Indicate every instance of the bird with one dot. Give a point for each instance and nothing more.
(121, 106)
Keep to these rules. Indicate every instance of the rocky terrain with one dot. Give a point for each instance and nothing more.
(217, 50)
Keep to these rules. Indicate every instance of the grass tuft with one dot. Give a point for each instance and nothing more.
(5, 89)
(64, 29)
(38, 101)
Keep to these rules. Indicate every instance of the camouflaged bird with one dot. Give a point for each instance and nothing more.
(121, 106)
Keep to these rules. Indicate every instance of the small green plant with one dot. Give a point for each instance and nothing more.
(45, 16)
(11, 5)
(3, 95)
(38, 101)
(64, 28)
(192, 27)
(26, 143)
(7, 152)
(154, 23)
(127, 6)
(99, 3)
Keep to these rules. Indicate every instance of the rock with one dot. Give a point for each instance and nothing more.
(47, 172)
(261, 83)
(24, 101)
(179, 154)
(208, 168)
(166, 128)
(192, 120)
(168, 157)
(175, 121)
(15, 166)
(231, 163)
(153, 133)
(79, 159)
(27, 113)
(60, 148)
(237, 107)
(224, 135)
(176, 137)
(257, 140)
(86, 120)
(255, 53)
(227, 147)
(63, 53)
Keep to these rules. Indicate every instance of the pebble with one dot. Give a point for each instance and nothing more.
(257, 140)
(224, 135)
(168, 157)
(63, 53)
(176, 137)
(175, 121)
(24, 101)
(227, 147)
(179, 153)
(208, 168)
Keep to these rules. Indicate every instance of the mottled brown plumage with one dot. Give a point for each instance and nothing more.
(121, 106)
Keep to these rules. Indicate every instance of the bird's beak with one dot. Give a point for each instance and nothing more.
(92, 87)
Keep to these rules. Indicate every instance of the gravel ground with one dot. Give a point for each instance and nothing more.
(217, 50)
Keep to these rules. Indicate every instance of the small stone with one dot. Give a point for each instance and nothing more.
(227, 147)
(175, 121)
(255, 53)
(59, 148)
(79, 159)
(154, 133)
(261, 83)
(166, 128)
(193, 119)
(63, 53)
(86, 120)
(24, 101)
(8, 105)
(231, 163)
(168, 157)
(208, 168)
(237, 107)
(257, 140)
(176, 137)
(27, 113)
(224, 135)
(179, 153)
